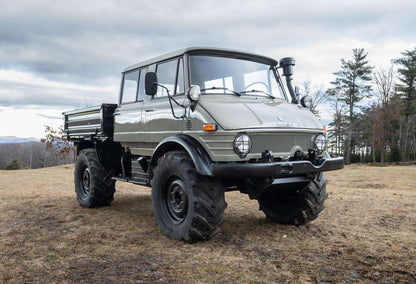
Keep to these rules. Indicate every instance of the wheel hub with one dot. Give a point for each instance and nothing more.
(86, 180)
(177, 200)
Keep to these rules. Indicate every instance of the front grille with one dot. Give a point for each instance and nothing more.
(280, 143)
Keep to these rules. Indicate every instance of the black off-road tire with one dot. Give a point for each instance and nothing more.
(187, 205)
(293, 205)
(93, 183)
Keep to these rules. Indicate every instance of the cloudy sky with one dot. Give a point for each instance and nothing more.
(60, 55)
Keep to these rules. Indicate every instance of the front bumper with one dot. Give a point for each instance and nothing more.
(274, 169)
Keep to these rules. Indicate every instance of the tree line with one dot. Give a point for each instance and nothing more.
(31, 155)
(374, 109)
(53, 150)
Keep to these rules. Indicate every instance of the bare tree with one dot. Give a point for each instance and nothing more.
(316, 93)
(384, 79)
(336, 131)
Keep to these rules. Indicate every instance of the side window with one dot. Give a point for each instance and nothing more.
(130, 87)
(180, 84)
(166, 75)
(141, 93)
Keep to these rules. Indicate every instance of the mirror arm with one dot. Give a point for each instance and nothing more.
(176, 102)
(170, 102)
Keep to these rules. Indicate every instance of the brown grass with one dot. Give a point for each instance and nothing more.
(367, 233)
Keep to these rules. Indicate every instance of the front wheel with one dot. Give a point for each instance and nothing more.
(187, 205)
(292, 205)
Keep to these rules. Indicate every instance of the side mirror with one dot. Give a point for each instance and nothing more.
(150, 83)
(306, 101)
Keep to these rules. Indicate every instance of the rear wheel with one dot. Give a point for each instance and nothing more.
(293, 205)
(93, 183)
(187, 205)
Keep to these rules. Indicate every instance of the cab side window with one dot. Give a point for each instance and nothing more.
(166, 75)
(130, 82)
(141, 92)
(180, 83)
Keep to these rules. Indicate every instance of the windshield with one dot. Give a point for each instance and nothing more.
(214, 74)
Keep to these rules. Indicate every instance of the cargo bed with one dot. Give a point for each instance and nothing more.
(96, 121)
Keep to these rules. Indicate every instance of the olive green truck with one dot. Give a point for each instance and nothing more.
(196, 123)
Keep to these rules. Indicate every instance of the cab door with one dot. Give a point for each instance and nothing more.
(128, 118)
(158, 118)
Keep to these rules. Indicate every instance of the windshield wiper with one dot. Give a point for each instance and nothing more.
(221, 88)
(257, 91)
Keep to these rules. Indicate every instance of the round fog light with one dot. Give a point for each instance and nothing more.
(242, 145)
(306, 101)
(319, 142)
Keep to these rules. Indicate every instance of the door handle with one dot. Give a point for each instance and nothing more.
(149, 110)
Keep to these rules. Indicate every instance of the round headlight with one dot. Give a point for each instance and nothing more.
(319, 142)
(306, 101)
(242, 145)
(194, 93)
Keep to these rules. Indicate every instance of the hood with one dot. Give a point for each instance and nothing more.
(232, 113)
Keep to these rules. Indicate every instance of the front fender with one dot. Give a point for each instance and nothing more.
(197, 153)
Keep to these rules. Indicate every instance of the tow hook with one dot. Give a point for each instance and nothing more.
(267, 156)
(312, 155)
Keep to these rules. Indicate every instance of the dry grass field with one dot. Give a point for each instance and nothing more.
(367, 233)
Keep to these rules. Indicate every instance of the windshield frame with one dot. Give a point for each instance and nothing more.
(271, 64)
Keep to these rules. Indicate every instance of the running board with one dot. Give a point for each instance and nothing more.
(139, 181)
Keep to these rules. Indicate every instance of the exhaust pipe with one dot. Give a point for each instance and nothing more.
(287, 64)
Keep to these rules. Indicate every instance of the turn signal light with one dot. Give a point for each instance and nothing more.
(210, 127)
(324, 127)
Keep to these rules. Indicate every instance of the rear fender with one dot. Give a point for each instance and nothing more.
(109, 153)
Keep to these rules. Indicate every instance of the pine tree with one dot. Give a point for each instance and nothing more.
(407, 92)
(351, 86)
(13, 165)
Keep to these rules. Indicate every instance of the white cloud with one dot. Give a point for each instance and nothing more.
(25, 88)
(28, 121)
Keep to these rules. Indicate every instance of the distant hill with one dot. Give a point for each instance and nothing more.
(13, 140)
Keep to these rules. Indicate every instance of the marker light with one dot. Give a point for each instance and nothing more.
(210, 127)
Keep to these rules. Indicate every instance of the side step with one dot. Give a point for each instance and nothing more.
(138, 172)
(144, 182)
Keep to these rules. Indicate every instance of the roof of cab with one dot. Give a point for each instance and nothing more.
(199, 49)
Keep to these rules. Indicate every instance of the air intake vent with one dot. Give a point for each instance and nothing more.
(188, 124)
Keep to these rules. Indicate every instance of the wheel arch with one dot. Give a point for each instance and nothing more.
(84, 144)
(197, 153)
(108, 152)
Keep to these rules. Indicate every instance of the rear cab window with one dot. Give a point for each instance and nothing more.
(133, 86)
